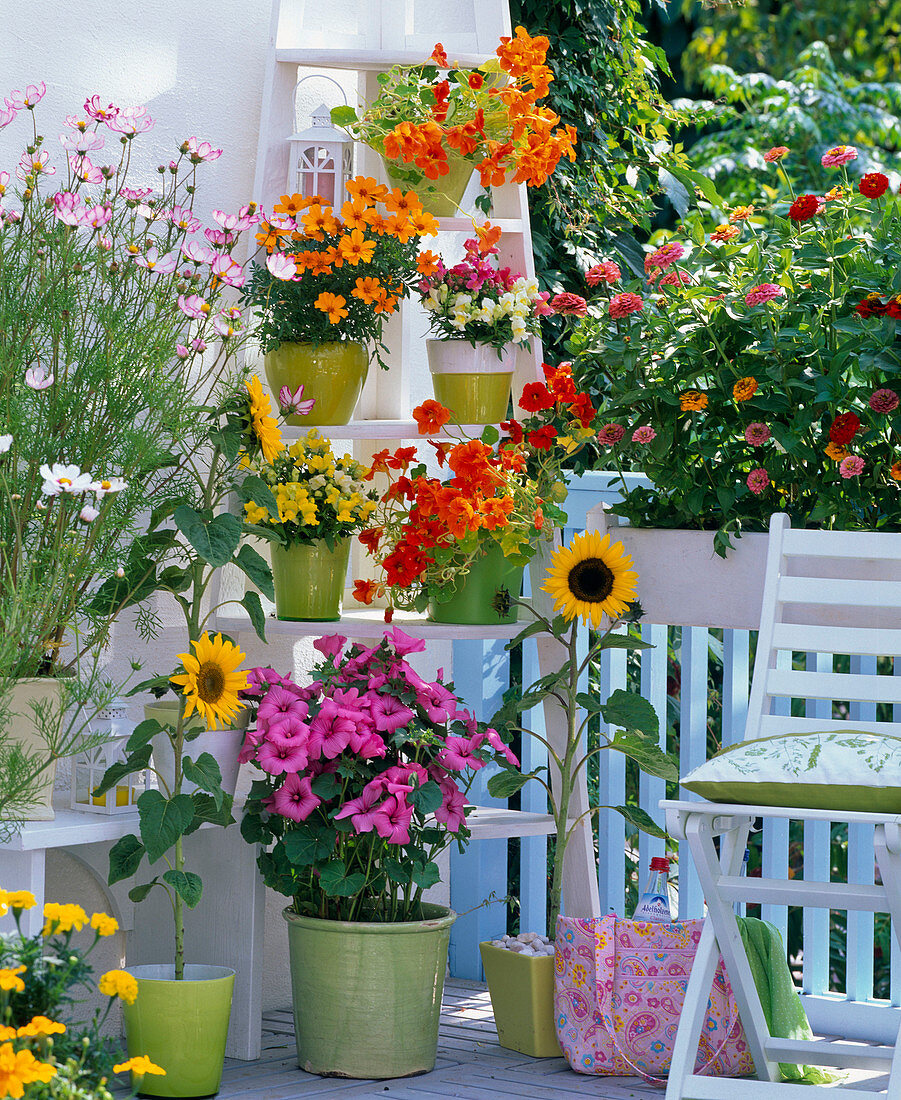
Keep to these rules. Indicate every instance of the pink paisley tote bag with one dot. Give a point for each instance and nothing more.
(619, 991)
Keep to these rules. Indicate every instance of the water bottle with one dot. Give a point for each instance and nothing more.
(654, 903)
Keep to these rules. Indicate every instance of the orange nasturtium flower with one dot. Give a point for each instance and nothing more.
(430, 416)
(895, 471)
(333, 305)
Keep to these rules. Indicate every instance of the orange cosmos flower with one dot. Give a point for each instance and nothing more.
(430, 416)
(354, 214)
(428, 263)
(318, 221)
(318, 263)
(402, 202)
(368, 290)
(401, 227)
(333, 305)
(356, 249)
(376, 222)
(291, 204)
(424, 224)
(366, 188)
(386, 302)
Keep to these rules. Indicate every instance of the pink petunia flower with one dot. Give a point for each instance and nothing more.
(665, 256)
(884, 401)
(610, 434)
(643, 434)
(288, 728)
(403, 643)
(621, 305)
(604, 272)
(757, 434)
(392, 820)
(294, 799)
(852, 466)
(758, 480)
(282, 757)
(839, 155)
(278, 704)
(330, 733)
(765, 292)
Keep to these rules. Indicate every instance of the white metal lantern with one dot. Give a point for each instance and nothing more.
(321, 159)
(88, 768)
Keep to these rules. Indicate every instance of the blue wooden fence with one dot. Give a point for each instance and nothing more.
(699, 654)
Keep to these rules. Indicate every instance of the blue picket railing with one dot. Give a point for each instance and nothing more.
(699, 653)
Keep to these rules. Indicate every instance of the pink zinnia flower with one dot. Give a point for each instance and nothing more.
(281, 267)
(884, 401)
(568, 305)
(757, 434)
(604, 272)
(852, 466)
(675, 278)
(765, 292)
(758, 480)
(294, 799)
(839, 155)
(665, 256)
(775, 154)
(609, 434)
(643, 435)
(621, 305)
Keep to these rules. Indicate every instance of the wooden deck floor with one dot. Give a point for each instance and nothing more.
(471, 1066)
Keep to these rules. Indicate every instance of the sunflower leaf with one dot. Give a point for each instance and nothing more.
(256, 567)
(253, 607)
(650, 758)
(630, 711)
(622, 641)
(186, 884)
(136, 762)
(125, 858)
(215, 540)
(639, 819)
(163, 821)
(204, 773)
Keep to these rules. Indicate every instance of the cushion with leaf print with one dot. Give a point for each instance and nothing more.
(829, 770)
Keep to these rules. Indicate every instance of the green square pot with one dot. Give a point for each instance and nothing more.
(522, 999)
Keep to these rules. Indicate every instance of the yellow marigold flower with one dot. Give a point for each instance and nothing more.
(139, 1066)
(19, 1068)
(741, 213)
(104, 925)
(7, 1033)
(119, 983)
(724, 233)
(41, 1025)
(10, 982)
(837, 451)
(692, 401)
(19, 899)
(59, 919)
(744, 389)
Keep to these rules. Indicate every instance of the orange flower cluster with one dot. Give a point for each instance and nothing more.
(502, 125)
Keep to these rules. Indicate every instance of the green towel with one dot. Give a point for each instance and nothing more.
(782, 1008)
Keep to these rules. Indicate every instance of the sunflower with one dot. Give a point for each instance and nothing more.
(263, 425)
(210, 680)
(591, 578)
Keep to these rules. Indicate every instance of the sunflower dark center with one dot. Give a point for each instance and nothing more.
(591, 581)
(210, 682)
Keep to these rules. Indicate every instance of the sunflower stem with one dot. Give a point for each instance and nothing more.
(561, 803)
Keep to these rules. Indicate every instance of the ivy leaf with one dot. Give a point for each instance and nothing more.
(215, 540)
(186, 884)
(124, 858)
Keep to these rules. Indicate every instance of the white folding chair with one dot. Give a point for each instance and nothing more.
(829, 593)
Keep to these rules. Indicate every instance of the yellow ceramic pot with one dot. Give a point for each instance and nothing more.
(331, 374)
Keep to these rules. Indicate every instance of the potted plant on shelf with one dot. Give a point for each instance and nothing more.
(479, 315)
(591, 579)
(756, 368)
(458, 547)
(365, 775)
(182, 1013)
(436, 122)
(98, 277)
(329, 283)
(313, 503)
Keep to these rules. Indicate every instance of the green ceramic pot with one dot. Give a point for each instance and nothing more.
(440, 197)
(181, 1026)
(309, 580)
(367, 997)
(474, 383)
(331, 374)
(522, 1000)
(474, 593)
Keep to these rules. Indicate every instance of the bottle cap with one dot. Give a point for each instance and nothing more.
(659, 863)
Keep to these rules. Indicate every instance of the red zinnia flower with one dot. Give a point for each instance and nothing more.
(621, 305)
(804, 207)
(844, 428)
(873, 306)
(873, 184)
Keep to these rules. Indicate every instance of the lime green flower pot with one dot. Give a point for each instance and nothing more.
(475, 592)
(522, 999)
(472, 382)
(309, 580)
(367, 997)
(441, 197)
(181, 1027)
(331, 374)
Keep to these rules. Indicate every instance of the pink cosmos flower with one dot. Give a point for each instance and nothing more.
(604, 272)
(4, 180)
(130, 121)
(7, 114)
(96, 112)
(181, 351)
(765, 292)
(65, 205)
(293, 403)
(226, 325)
(665, 256)
(621, 305)
(294, 799)
(610, 434)
(135, 194)
(568, 305)
(219, 239)
(88, 514)
(84, 169)
(199, 345)
(852, 466)
(197, 253)
(154, 262)
(96, 217)
(643, 434)
(281, 267)
(757, 434)
(758, 480)
(392, 820)
(235, 223)
(200, 150)
(282, 757)
(183, 218)
(30, 98)
(35, 164)
(193, 306)
(38, 378)
(228, 270)
(82, 142)
(884, 401)
(839, 155)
